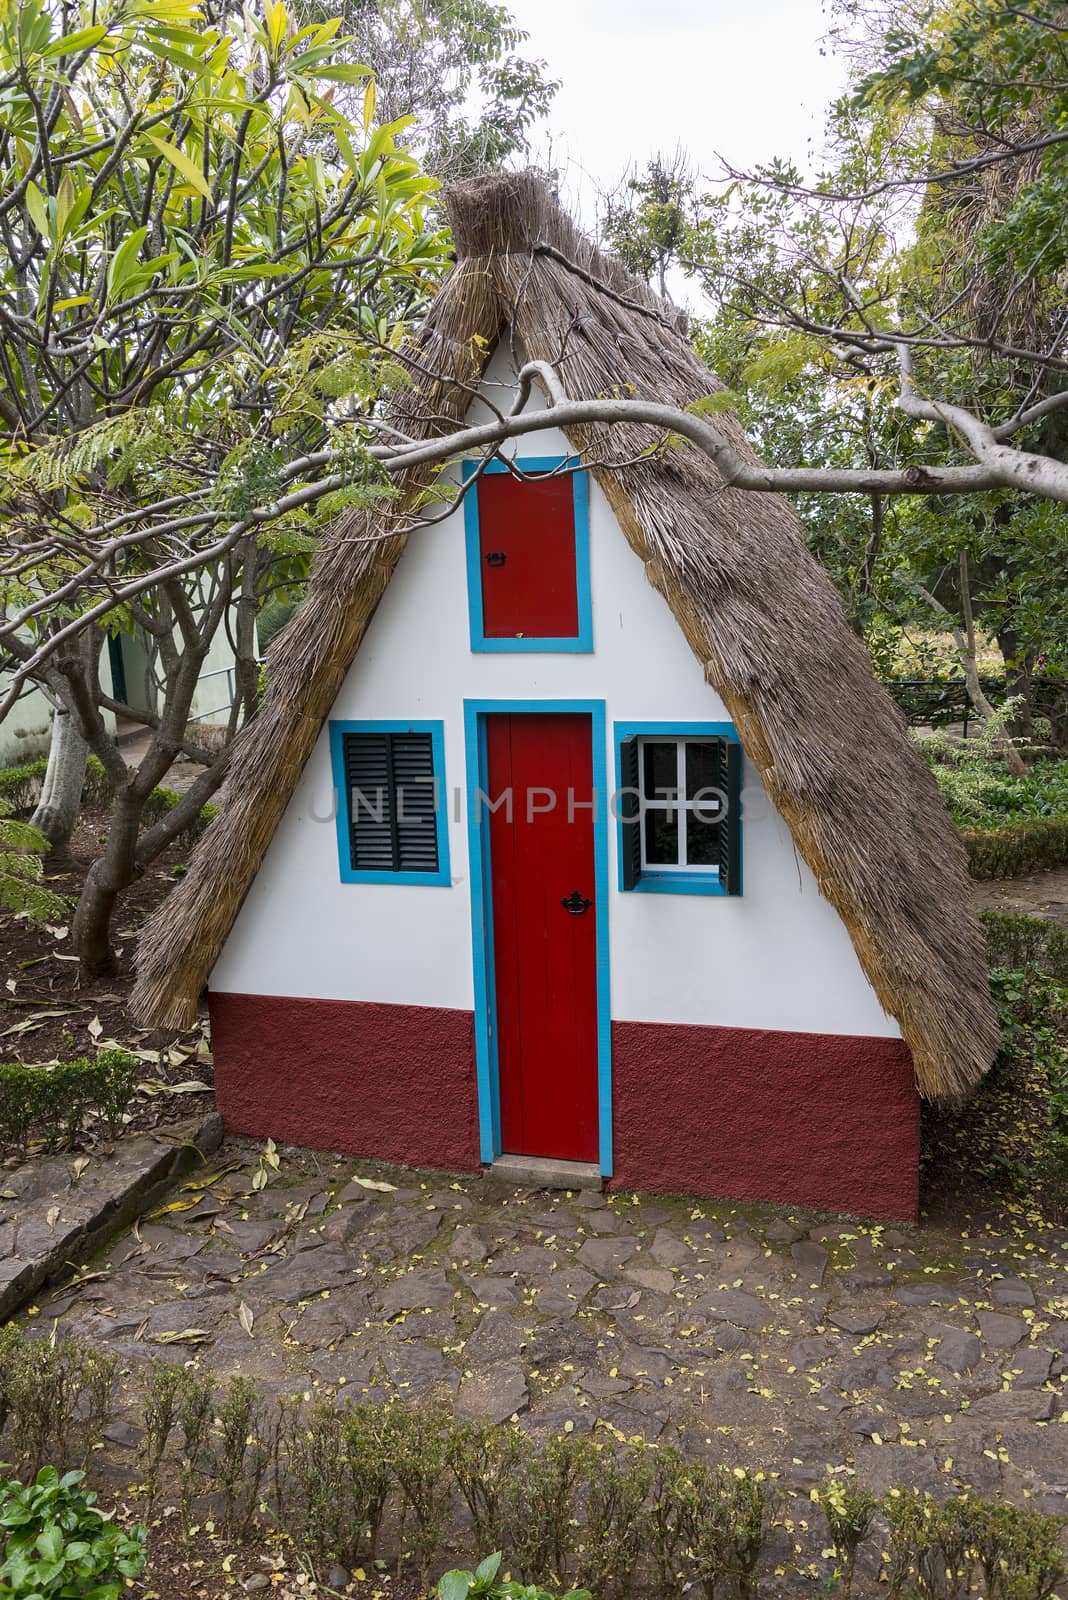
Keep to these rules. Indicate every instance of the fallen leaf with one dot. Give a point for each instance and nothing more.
(94, 1028)
(373, 1183)
(177, 1205)
(186, 1336)
(245, 1317)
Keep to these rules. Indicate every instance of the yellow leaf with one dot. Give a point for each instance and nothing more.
(369, 101)
(178, 159)
(276, 18)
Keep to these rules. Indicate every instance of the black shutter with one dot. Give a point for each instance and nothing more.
(369, 796)
(630, 833)
(391, 794)
(415, 796)
(730, 828)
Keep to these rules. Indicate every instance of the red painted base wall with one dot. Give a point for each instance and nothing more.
(393, 1082)
(803, 1119)
(737, 1113)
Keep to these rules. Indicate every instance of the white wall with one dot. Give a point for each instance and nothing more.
(213, 694)
(26, 731)
(776, 957)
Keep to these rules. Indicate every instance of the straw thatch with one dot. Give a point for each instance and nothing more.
(760, 615)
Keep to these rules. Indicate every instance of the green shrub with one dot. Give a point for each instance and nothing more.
(573, 1512)
(54, 1101)
(727, 1523)
(850, 1512)
(1015, 942)
(57, 1399)
(1018, 848)
(616, 1522)
(418, 1441)
(20, 787)
(935, 1549)
(483, 1584)
(97, 792)
(59, 1546)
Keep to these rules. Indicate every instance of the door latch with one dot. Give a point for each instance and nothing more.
(495, 558)
(576, 903)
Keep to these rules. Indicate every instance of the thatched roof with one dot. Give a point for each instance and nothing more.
(760, 615)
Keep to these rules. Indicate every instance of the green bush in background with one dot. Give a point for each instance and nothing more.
(20, 788)
(54, 1101)
(1017, 848)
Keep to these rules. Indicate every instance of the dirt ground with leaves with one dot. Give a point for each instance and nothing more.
(48, 1012)
(1038, 894)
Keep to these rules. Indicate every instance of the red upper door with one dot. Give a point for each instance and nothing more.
(544, 952)
(527, 559)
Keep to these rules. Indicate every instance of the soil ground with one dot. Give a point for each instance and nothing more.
(1039, 894)
(47, 1010)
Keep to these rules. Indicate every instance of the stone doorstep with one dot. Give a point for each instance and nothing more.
(544, 1172)
(142, 1173)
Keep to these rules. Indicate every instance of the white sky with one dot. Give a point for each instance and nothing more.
(744, 79)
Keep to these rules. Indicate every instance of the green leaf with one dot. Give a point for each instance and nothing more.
(37, 206)
(83, 39)
(454, 1585)
(487, 1570)
(124, 261)
(182, 163)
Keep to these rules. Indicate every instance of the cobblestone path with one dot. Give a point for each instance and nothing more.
(751, 1333)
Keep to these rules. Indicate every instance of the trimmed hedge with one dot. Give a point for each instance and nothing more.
(1015, 942)
(54, 1101)
(1026, 846)
(20, 788)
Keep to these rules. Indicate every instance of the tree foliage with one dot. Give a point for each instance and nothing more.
(206, 268)
(455, 68)
(931, 240)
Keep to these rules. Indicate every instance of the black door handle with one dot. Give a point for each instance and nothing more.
(495, 558)
(576, 903)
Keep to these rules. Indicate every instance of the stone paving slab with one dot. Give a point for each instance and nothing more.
(58, 1209)
(747, 1333)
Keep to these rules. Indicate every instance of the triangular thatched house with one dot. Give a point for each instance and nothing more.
(652, 682)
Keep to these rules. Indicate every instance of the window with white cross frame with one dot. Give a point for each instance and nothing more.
(679, 808)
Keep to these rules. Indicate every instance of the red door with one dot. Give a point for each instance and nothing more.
(527, 550)
(544, 953)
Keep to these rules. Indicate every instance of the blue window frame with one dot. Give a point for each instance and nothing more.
(390, 802)
(581, 643)
(678, 807)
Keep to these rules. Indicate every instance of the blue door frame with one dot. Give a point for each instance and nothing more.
(489, 1114)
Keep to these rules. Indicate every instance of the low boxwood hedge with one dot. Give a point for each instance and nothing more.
(1029, 845)
(20, 789)
(52, 1102)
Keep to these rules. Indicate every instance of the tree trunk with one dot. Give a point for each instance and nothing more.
(965, 642)
(1018, 670)
(61, 792)
(108, 876)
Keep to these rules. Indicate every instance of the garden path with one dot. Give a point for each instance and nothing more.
(1039, 894)
(749, 1332)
